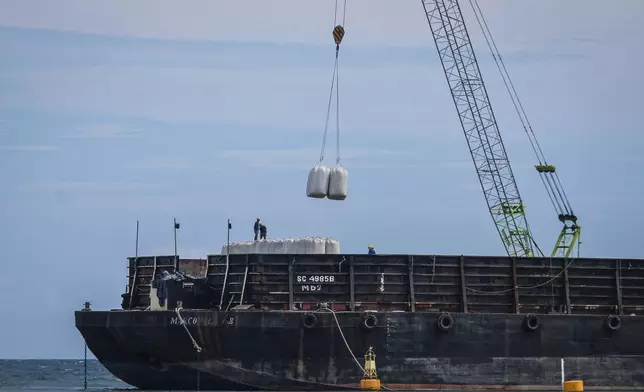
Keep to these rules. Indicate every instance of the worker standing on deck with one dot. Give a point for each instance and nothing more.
(372, 251)
(262, 231)
(256, 228)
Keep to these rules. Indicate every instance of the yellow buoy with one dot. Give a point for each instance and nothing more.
(370, 379)
(372, 384)
(573, 386)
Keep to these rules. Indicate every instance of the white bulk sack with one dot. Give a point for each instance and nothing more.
(244, 247)
(270, 246)
(261, 247)
(266, 246)
(232, 249)
(299, 246)
(338, 183)
(289, 246)
(318, 246)
(317, 185)
(332, 246)
(279, 246)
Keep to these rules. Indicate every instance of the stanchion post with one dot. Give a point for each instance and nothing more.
(85, 382)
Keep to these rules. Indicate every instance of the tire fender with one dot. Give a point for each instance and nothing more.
(309, 320)
(369, 321)
(531, 322)
(445, 321)
(612, 322)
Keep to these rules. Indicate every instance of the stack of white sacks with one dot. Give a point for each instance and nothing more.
(305, 246)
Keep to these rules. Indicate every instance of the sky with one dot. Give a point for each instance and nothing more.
(117, 111)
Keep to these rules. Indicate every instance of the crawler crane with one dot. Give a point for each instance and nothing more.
(488, 153)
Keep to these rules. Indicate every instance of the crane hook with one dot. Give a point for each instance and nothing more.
(338, 34)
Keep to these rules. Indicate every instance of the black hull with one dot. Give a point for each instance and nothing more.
(272, 350)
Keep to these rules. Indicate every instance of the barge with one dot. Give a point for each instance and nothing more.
(304, 322)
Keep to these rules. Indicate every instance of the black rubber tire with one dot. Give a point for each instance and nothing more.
(309, 320)
(369, 321)
(445, 321)
(531, 322)
(613, 323)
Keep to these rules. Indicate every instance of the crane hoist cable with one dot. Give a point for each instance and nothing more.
(547, 173)
(338, 35)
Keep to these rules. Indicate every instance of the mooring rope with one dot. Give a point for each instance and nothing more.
(183, 322)
(343, 338)
(337, 323)
(194, 344)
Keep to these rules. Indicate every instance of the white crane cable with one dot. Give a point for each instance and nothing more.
(335, 83)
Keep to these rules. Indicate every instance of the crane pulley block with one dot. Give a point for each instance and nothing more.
(545, 168)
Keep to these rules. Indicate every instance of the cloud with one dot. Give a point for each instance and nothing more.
(169, 163)
(363, 158)
(634, 158)
(304, 158)
(104, 131)
(277, 98)
(458, 165)
(370, 22)
(225, 20)
(89, 186)
(29, 148)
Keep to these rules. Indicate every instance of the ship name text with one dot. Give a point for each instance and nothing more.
(201, 320)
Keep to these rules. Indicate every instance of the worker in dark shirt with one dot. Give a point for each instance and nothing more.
(262, 231)
(256, 228)
(372, 251)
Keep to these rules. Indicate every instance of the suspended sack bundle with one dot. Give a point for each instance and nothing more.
(338, 183)
(317, 185)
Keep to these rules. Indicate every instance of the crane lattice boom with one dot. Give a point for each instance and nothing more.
(479, 125)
